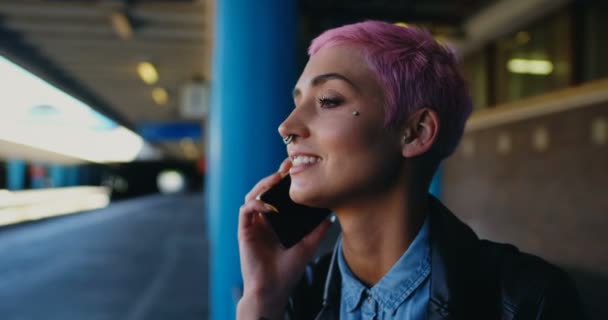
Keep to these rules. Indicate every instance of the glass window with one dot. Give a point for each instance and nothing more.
(476, 75)
(595, 64)
(534, 60)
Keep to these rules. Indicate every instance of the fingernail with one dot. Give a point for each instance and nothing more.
(271, 208)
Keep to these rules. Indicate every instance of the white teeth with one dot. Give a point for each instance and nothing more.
(304, 160)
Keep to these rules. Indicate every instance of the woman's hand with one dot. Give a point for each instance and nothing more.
(269, 271)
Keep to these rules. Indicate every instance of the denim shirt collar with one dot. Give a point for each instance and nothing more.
(404, 277)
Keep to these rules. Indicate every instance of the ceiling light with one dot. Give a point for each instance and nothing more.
(121, 24)
(147, 72)
(160, 96)
(530, 66)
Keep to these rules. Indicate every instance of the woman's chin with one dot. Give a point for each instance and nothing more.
(310, 199)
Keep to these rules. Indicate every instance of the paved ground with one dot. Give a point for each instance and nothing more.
(137, 259)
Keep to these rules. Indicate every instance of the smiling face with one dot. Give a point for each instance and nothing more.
(339, 157)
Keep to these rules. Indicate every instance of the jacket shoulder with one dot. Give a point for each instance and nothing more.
(531, 287)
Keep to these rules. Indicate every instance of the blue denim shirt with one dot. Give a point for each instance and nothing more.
(403, 293)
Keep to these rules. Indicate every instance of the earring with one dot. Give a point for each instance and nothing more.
(287, 140)
(356, 113)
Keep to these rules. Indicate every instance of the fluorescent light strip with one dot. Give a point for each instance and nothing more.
(117, 145)
(530, 66)
(74, 129)
(23, 206)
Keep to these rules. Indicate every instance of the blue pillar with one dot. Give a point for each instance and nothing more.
(72, 176)
(436, 183)
(254, 71)
(57, 175)
(64, 176)
(84, 175)
(15, 174)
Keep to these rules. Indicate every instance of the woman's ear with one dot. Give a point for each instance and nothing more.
(420, 133)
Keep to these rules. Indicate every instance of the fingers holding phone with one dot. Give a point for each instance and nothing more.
(269, 181)
(270, 268)
(290, 221)
(252, 226)
(251, 223)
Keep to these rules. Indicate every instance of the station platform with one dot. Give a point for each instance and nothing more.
(144, 258)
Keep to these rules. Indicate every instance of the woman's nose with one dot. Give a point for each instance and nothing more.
(293, 125)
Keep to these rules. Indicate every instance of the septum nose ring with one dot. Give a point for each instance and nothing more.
(287, 140)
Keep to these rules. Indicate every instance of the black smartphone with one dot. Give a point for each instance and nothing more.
(290, 221)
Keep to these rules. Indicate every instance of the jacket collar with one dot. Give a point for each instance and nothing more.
(453, 248)
(454, 251)
(462, 284)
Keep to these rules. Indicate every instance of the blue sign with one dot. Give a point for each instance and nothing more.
(168, 131)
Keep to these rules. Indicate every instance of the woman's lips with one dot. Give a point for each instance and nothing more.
(303, 162)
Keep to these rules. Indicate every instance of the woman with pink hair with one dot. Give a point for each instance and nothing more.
(377, 108)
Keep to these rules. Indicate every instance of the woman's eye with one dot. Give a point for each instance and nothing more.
(327, 102)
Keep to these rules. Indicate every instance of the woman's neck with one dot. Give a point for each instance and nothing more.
(377, 233)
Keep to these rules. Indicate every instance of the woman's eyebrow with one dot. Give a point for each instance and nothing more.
(322, 78)
(330, 76)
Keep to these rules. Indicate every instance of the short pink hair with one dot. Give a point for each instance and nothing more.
(415, 70)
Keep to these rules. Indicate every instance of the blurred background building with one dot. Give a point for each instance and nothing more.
(152, 119)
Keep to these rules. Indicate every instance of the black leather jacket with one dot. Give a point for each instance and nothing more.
(470, 279)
